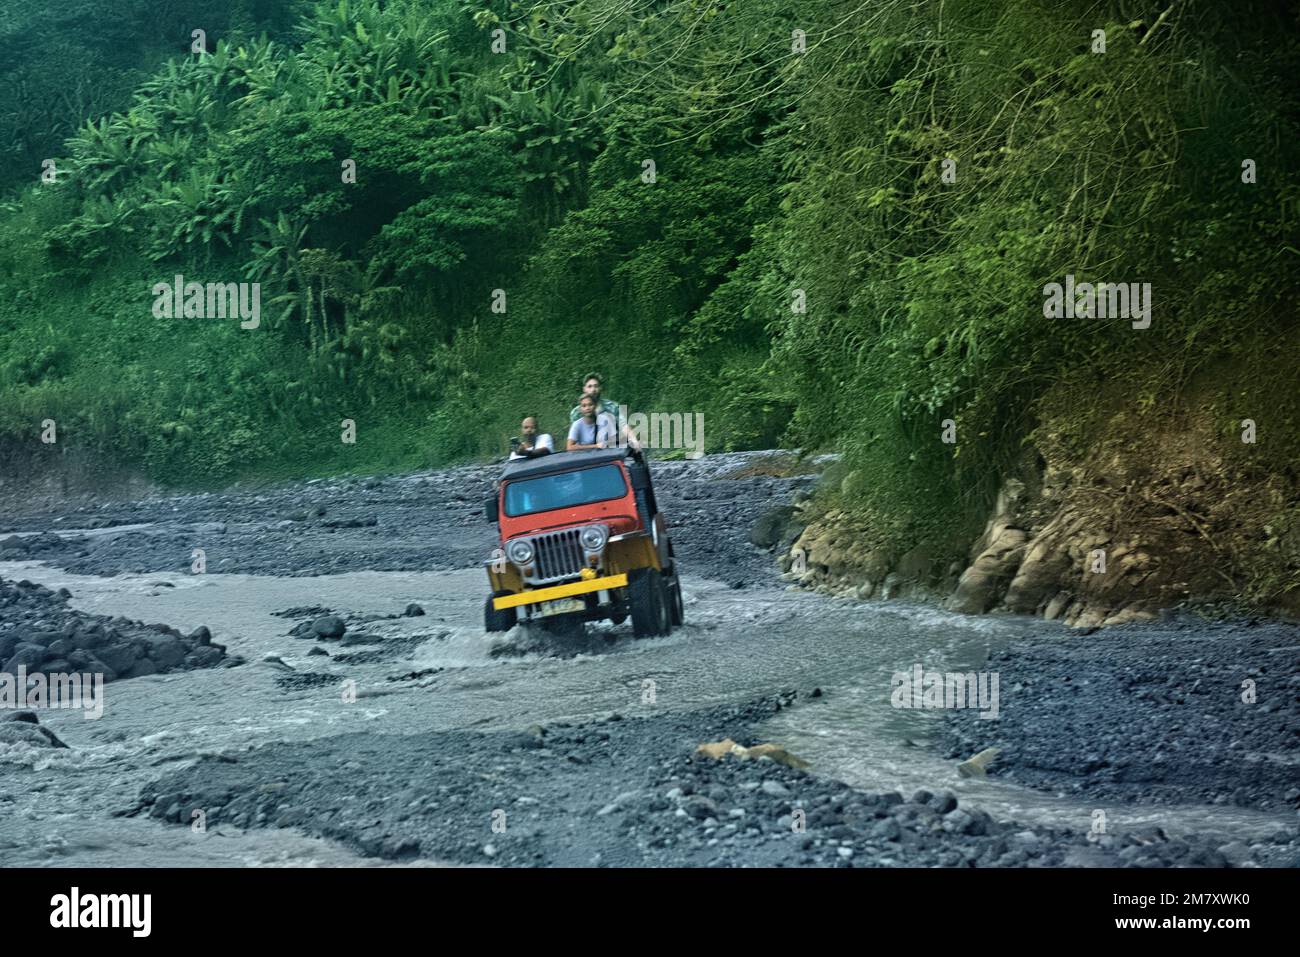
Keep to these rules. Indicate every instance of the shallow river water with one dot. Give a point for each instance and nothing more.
(737, 645)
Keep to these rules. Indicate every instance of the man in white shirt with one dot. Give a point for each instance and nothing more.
(530, 445)
(592, 429)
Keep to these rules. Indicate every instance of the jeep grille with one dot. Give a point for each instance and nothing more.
(557, 555)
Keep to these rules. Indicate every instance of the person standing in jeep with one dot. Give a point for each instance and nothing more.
(591, 387)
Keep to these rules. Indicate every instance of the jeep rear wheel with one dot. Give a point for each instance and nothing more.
(676, 607)
(496, 621)
(648, 603)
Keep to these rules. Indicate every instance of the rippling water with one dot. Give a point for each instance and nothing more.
(56, 807)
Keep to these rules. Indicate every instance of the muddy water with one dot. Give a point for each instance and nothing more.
(738, 644)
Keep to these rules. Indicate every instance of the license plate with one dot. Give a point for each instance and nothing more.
(561, 606)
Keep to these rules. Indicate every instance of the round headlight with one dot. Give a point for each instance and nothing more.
(593, 537)
(520, 551)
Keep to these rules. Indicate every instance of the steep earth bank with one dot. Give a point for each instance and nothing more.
(1154, 517)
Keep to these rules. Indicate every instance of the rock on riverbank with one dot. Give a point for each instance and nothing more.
(39, 632)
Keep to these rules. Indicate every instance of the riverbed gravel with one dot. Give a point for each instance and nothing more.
(469, 749)
(1172, 712)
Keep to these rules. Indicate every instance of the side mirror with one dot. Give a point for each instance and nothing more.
(490, 508)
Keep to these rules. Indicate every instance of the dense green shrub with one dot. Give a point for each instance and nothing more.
(799, 268)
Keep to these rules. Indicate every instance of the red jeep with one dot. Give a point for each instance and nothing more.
(582, 540)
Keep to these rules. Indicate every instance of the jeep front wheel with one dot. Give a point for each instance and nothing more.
(648, 603)
(495, 621)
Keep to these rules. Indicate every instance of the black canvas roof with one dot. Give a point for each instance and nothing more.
(560, 462)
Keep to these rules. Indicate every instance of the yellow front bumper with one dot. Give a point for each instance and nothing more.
(558, 591)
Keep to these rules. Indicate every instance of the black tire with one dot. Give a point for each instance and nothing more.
(643, 509)
(498, 621)
(647, 601)
(676, 607)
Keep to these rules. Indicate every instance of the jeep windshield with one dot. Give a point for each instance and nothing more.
(564, 490)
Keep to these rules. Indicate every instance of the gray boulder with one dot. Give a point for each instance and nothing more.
(119, 656)
(204, 656)
(22, 727)
(27, 656)
(141, 668)
(330, 626)
(166, 652)
(56, 666)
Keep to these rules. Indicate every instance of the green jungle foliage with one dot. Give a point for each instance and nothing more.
(800, 269)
